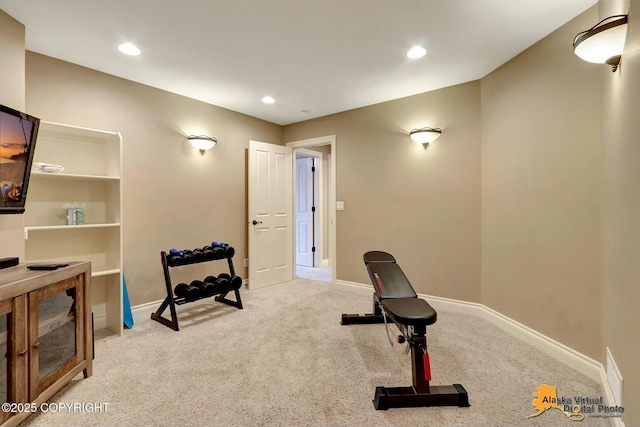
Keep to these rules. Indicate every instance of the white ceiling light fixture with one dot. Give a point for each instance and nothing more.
(129, 49)
(268, 100)
(202, 142)
(425, 135)
(416, 52)
(603, 43)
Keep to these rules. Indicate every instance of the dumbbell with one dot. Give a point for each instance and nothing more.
(235, 283)
(208, 287)
(214, 281)
(175, 256)
(219, 244)
(197, 255)
(208, 253)
(218, 252)
(188, 292)
(223, 283)
(187, 256)
(229, 252)
(200, 285)
(204, 287)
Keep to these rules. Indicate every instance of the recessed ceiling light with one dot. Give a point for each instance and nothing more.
(129, 49)
(416, 52)
(268, 100)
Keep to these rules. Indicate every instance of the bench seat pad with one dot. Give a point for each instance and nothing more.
(410, 311)
(389, 281)
(377, 256)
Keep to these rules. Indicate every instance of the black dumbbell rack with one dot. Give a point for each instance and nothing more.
(170, 301)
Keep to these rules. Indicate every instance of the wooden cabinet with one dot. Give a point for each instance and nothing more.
(13, 340)
(91, 180)
(46, 334)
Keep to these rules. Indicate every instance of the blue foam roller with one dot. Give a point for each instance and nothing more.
(127, 315)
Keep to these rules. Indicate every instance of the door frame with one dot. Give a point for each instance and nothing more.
(331, 221)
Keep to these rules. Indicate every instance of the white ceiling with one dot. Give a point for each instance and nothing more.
(322, 56)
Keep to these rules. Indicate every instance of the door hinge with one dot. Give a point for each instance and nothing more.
(313, 168)
(313, 249)
(313, 208)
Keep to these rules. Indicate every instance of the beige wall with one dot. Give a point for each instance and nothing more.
(541, 190)
(621, 209)
(423, 206)
(173, 196)
(12, 64)
(11, 95)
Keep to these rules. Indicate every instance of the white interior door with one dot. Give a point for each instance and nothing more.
(270, 214)
(304, 213)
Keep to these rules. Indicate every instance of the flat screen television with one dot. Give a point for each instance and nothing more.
(18, 134)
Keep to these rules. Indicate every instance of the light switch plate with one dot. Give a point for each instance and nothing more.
(339, 205)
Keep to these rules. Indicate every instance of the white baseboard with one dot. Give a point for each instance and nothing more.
(566, 355)
(355, 286)
(324, 262)
(578, 361)
(143, 312)
(608, 396)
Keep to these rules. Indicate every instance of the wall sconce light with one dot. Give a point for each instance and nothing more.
(425, 135)
(202, 142)
(603, 43)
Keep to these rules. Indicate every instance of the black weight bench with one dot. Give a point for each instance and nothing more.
(395, 298)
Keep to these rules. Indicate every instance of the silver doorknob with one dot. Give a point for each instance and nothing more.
(254, 222)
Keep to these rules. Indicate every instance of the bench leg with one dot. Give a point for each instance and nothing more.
(420, 393)
(404, 397)
(365, 319)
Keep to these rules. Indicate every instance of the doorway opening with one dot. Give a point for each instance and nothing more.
(314, 216)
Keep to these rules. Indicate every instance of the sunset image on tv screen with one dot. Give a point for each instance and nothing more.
(14, 151)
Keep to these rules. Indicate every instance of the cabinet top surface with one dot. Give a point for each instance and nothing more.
(19, 280)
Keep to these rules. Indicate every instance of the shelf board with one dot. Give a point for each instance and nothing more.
(52, 324)
(74, 176)
(69, 227)
(104, 271)
(47, 126)
(47, 325)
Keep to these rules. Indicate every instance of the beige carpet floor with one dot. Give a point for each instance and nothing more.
(285, 360)
(322, 274)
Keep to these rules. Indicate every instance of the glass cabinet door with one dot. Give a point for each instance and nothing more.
(56, 323)
(13, 363)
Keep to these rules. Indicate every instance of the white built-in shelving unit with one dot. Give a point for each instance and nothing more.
(92, 180)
